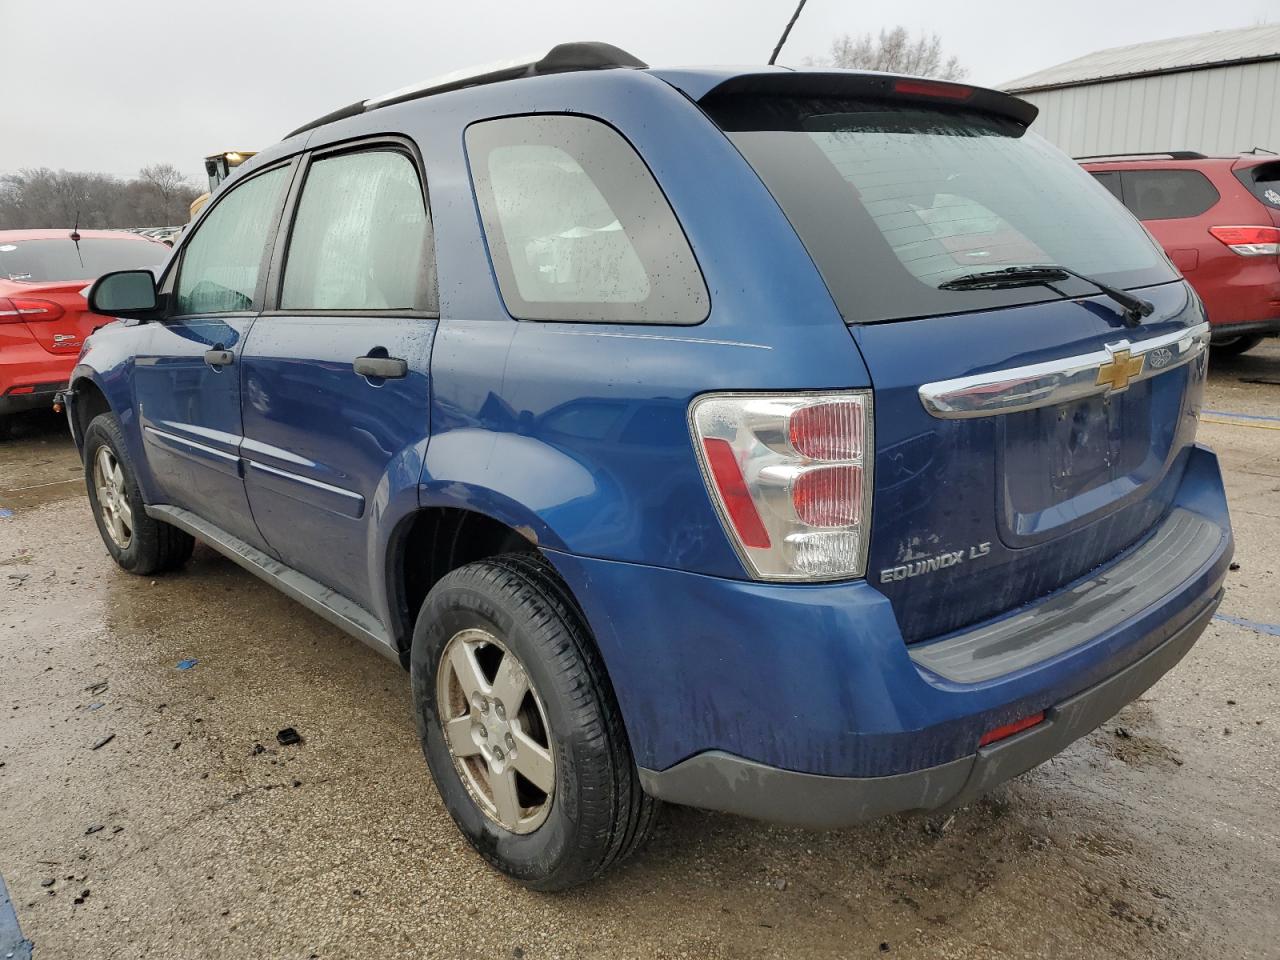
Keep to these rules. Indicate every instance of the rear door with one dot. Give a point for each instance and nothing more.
(186, 370)
(336, 372)
(1024, 432)
(1177, 207)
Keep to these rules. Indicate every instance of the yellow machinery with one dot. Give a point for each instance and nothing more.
(219, 167)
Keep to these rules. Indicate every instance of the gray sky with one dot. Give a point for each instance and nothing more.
(111, 85)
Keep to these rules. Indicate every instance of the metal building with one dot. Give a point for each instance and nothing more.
(1217, 93)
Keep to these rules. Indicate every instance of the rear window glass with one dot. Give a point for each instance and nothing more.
(577, 227)
(1263, 182)
(1167, 194)
(892, 200)
(39, 261)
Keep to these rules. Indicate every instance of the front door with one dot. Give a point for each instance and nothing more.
(186, 375)
(336, 371)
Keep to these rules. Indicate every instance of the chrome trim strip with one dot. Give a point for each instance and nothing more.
(1058, 381)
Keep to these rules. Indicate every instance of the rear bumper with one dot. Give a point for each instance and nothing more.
(1250, 328)
(730, 688)
(720, 781)
(40, 398)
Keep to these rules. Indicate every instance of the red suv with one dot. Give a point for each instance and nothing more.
(1218, 219)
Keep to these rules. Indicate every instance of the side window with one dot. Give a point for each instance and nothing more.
(577, 227)
(1168, 194)
(222, 263)
(360, 235)
(1110, 180)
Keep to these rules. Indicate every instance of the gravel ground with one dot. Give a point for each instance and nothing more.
(193, 833)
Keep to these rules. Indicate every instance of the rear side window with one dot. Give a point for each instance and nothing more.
(1111, 181)
(1167, 194)
(1263, 182)
(577, 227)
(223, 261)
(895, 199)
(360, 236)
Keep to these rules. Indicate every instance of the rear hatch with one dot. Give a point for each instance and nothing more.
(1026, 430)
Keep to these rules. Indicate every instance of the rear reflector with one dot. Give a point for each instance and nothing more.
(18, 391)
(1249, 241)
(932, 88)
(723, 464)
(1009, 729)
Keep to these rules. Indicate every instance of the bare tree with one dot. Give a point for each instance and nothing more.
(166, 179)
(894, 51)
(158, 197)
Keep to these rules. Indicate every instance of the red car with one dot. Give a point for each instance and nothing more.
(1218, 219)
(44, 318)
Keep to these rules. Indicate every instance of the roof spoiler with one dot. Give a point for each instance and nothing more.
(562, 58)
(852, 83)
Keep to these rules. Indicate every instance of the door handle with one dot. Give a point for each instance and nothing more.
(385, 368)
(219, 358)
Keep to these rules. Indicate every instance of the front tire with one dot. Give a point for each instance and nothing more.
(501, 658)
(138, 543)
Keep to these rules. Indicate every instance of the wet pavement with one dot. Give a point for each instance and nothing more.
(149, 811)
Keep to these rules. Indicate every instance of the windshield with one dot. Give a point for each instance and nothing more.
(894, 200)
(38, 261)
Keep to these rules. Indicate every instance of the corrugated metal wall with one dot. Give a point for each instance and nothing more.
(1216, 111)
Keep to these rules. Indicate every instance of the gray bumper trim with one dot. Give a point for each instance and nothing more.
(1180, 546)
(720, 781)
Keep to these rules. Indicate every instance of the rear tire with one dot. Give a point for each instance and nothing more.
(138, 543)
(1234, 346)
(593, 813)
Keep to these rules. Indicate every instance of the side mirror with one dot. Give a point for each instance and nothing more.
(125, 293)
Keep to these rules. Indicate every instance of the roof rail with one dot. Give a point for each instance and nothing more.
(1147, 155)
(562, 58)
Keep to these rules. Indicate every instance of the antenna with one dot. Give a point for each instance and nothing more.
(787, 32)
(75, 237)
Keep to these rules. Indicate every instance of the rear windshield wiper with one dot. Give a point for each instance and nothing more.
(1135, 308)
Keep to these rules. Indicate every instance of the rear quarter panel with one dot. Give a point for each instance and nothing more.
(576, 433)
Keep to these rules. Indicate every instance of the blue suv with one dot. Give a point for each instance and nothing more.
(803, 445)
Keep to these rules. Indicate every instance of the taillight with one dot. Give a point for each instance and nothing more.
(19, 309)
(790, 474)
(1250, 241)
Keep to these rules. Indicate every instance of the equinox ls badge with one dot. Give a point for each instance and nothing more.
(938, 561)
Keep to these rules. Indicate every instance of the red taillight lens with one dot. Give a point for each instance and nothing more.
(19, 309)
(932, 88)
(726, 473)
(828, 431)
(1009, 729)
(829, 496)
(1249, 241)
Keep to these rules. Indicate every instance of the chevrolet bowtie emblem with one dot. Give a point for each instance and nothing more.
(1120, 369)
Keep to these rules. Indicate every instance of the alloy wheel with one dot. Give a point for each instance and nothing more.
(496, 730)
(113, 497)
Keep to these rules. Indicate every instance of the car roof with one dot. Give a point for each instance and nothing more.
(17, 235)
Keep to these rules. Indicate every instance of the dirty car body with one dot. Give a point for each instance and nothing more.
(847, 542)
